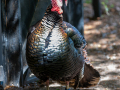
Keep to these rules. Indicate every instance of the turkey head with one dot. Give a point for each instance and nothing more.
(56, 5)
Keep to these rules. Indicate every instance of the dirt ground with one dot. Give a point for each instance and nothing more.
(103, 44)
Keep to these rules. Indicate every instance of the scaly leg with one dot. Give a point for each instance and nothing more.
(47, 84)
(67, 85)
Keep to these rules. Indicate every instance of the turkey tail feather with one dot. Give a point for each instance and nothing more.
(91, 77)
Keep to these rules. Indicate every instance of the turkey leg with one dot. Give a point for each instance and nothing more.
(67, 85)
(47, 85)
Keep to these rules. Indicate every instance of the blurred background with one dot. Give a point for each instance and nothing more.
(103, 42)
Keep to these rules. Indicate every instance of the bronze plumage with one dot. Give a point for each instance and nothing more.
(54, 50)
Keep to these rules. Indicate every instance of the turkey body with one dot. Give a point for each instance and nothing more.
(52, 50)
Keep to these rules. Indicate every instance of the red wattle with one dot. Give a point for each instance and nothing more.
(59, 10)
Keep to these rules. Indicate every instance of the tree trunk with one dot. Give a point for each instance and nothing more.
(73, 14)
(96, 8)
(12, 41)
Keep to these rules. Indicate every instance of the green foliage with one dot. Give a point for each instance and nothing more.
(57, 89)
(105, 4)
(106, 7)
(112, 6)
(106, 1)
(88, 1)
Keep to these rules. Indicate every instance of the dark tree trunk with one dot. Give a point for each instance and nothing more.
(1, 60)
(12, 41)
(73, 14)
(97, 8)
(31, 12)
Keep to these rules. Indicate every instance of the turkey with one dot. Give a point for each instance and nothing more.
(54, 50)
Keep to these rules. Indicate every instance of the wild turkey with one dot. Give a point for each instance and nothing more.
(54, 47)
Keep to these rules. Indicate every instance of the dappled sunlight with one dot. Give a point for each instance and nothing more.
(97, 45)
(103, 47)
(104, 41)
(105, 78)
(92, 25)
(94, 31)
(31, 75)
(55, 85)
(111, 67)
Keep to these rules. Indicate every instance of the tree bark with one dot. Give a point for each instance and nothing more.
(96, 8)
(12, 42)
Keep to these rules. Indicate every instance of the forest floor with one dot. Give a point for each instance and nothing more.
(103, 44)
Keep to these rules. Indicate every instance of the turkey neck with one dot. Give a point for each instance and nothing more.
(50, 19)
(50, 23)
